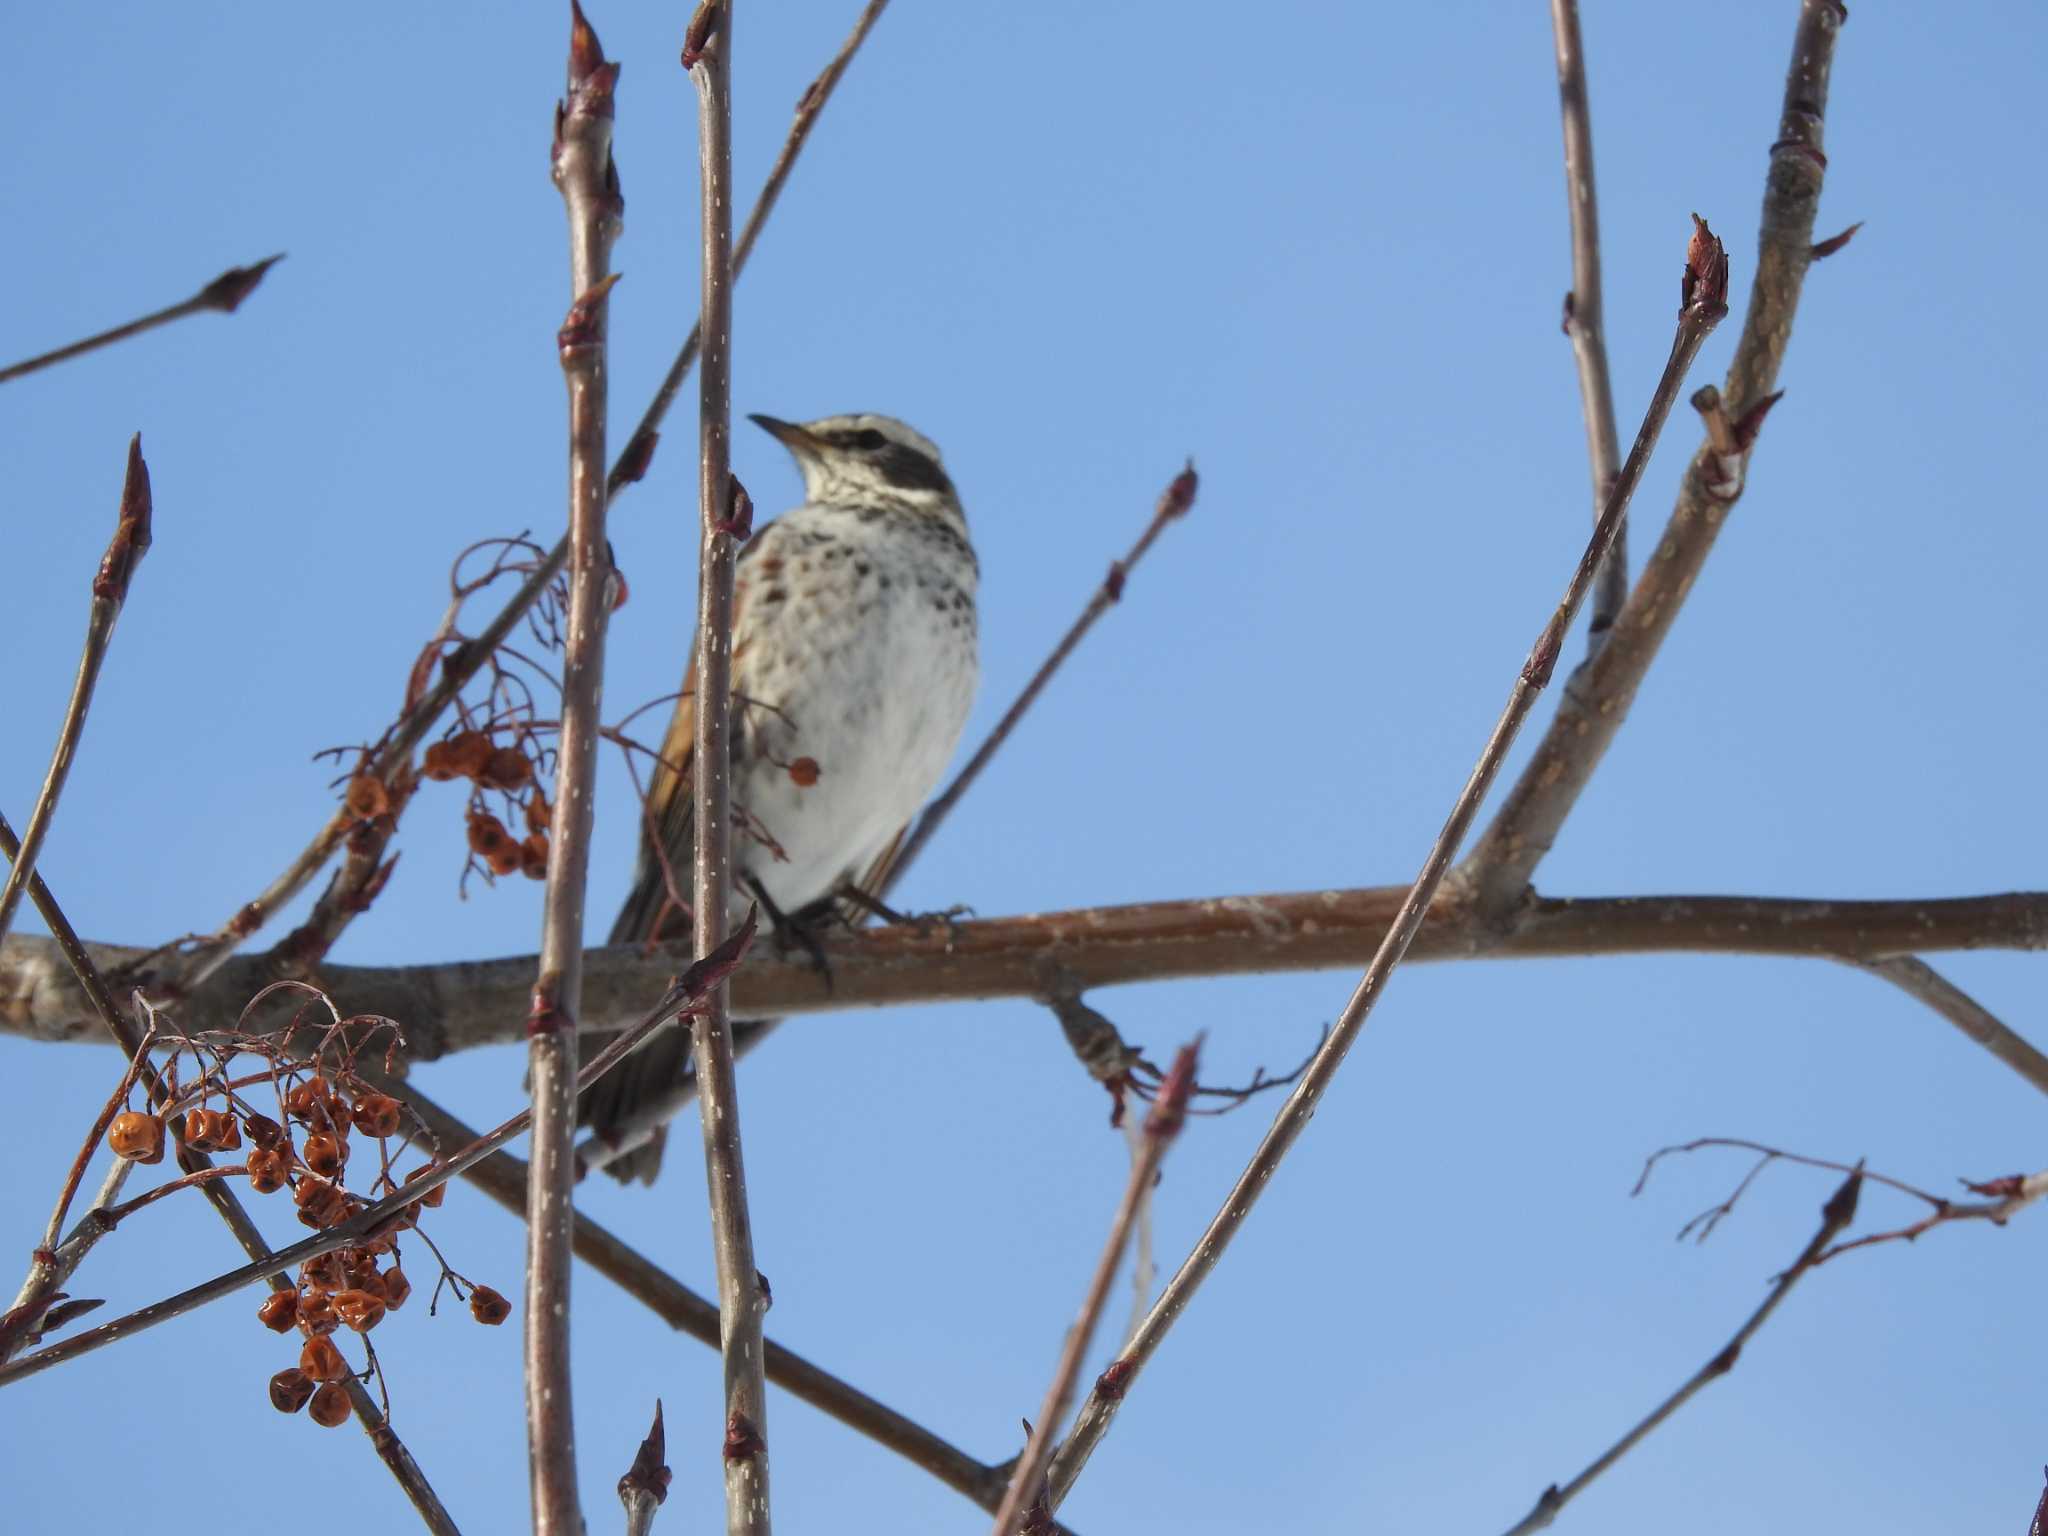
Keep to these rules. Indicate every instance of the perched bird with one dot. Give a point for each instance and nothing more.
(854, 661)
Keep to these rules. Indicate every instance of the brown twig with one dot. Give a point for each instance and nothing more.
(644, 1488)
(224, 294)
(502, 1178)
(1596, 702)
(1835, 1216)
(1584, 312)
(1168, 1114)
(707, 56)
(1917, 979)
(109, 591)
(1174, 502)
(1702, 301)
(683, 996)
(588, 178)
(459, 1005)
(392, 762)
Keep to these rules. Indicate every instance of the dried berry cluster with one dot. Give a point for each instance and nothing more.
(471, 755)
(323, 1121)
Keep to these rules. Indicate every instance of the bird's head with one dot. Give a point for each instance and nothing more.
(864, 459)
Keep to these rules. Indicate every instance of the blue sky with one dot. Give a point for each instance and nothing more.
(1320, 249)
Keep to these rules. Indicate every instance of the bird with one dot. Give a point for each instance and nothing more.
(855, 658)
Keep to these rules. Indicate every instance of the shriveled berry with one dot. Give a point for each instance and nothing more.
(540, 816)
(325, 1273)
(316, 1314)
(279, 1311)
(325, 1153)
(359, 1309)
(137, 1137)
(322, 1361)
(263, 1131)
(396, 1288)
(533, 856)
(290, 1390)
(488, 1307)
(266, 1171)
(304, 1100)
(195, 1130)
(330, 1406)
(378, 1114)
(468, 752)
(227, 1135)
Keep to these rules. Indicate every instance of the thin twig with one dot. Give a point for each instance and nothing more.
(502, 1178)
(707, 55)
(225, 294)
(1584, 316)
(47, 1274)
(1916, 978)
(393, 1210)
(109, 591)
(1596, 702)
(1835, 1215)
(1168, 1114)
(1174, 502)
(588, 178)
(340, 903)
(458, 1005)
(1703, 300)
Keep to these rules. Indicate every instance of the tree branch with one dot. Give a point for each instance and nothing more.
(1584, 314)
(1917, 979)
(1835, 1216)
(460, 1005)
(1596, 700)
(109, 591)
(224, 294)
(707, 55)
(589, 181)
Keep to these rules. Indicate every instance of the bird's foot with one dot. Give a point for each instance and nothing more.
(923, 922)
(803, 929)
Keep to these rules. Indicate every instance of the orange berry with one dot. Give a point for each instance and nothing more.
(279, 1311)
(137, 1137)
(263, 1131)
(316, 1315)
(468, 752)
(227, 1135)
(366, 797)
(539, 814)
(322, 1361)
(305, 1100)
(439, 764)
(487, 1306)
(330, 1406)
(266, 1171)
(290, 1389)
(359, 1309)
(396, 1288)
(326, 1273)
(192, 1130)
(804, 772)
(325, 1154)
(533, 856)
(377, 1114)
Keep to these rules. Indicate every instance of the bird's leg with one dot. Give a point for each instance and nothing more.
(803, 929)
(874, 906)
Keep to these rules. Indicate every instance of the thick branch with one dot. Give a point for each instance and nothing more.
(458, 1005)
(1596, 700)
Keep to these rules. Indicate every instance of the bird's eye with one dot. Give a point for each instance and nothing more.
(868, 440)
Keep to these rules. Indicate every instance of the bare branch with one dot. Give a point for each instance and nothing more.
(109, 591)
(1596, 701)
(1168, 1114)
(589, 181)
(1835, 1216)
(1584, 314)
(1702, 302)
(1918, 979)
(707, 55)
(224, 294)
(458, 1005)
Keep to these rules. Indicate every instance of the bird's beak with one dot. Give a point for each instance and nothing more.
(787, 433)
